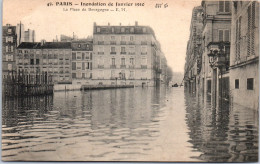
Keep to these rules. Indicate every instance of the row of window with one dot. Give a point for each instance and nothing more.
(100, 61)
(122, 29)
(123, 49)
(81, 66)
(249, 82)
(81, 56)
(121, 75)
(44, 61)
(81, 75)
(122, 38)
(66, 52)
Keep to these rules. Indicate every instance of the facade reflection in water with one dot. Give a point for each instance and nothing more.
(227, 134)
(127, 124)
(93, 125)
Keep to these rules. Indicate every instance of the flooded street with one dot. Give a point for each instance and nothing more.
(135, 124)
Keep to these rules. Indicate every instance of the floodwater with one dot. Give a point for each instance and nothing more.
(135, 124)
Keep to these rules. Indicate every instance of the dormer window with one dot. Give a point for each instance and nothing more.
(98, 29)
(122, 29)
(79, 45)
(131, 29)
(144, 29)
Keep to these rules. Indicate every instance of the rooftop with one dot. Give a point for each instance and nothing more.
(45, 45)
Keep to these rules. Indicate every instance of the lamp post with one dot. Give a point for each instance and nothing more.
(217, 59)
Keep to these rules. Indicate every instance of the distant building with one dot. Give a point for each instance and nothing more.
(126, 55)
(8, 49)
(24, 36)
(193, 55)
(51, 57)
(29, 36)
(82, 62)
(244, 57)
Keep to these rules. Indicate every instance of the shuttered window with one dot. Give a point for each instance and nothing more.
(73, 65)
(226, 36)
(220, 35)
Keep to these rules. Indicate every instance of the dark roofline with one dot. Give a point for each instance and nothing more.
(46, 45)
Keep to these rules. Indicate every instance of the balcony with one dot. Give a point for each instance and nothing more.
(112, 78)
(131, 78)
(143, 53)
(122, 53)
(113, 66)
(100, 53)
(100, 66)
(144, 66)
(143, 78)
(131, 53)
(143, 42)
(113, 53)
(122, 66)
(131, 66)
(100, 42)
(113, 42)
(123, 42)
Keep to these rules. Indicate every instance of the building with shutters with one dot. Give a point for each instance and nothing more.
(81, 62)
(51, 57)
(193, 54)
(244, 57)
(213, 79)
(126, 55)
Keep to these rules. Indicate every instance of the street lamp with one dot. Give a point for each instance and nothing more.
(217, 59)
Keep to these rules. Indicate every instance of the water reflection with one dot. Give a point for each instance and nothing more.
(228, 134)
(165, 124)
(94, 125)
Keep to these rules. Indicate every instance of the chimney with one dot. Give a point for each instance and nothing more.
(108, 24)
(42, 42)
(136, 23)
(119, 24)
(95, 24)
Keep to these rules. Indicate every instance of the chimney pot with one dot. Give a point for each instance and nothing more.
(136, 23)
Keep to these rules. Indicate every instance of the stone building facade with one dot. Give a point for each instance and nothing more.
(244, 58)
(51, 57)
(126, 55)
(82, 62)
(216, 31)
(9, 49)
(193, 57)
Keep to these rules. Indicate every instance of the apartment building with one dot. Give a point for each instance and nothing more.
(125, 55)
(193, 55)
(244, 57)
(82, 61)
(215, 38)
(51, 57)
(8, 49)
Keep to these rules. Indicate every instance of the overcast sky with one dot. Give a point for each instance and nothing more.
(171, 24)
